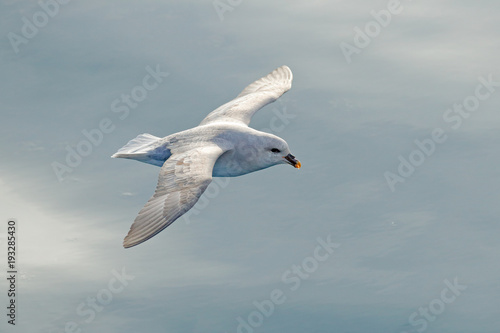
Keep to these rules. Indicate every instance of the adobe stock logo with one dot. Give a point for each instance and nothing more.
(94, 137)
(31, 28)
(454, 117)
(420, 319)
(89, 309)
(293, 278)
(222, 6)
(363, 37)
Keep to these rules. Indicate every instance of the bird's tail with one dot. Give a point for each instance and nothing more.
(138, 148)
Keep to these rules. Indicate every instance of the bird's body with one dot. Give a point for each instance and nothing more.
(221, 146)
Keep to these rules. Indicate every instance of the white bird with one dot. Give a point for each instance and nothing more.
(221, 146)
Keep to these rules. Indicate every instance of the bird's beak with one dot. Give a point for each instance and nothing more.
(292, 161)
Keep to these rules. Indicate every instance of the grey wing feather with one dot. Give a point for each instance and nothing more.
(255, 96)
(182, 180)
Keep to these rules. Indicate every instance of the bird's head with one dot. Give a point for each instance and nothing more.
(274, 150)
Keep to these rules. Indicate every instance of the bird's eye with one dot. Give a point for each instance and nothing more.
(275, 150)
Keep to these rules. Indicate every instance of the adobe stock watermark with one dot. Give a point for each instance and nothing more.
(31, 27)
(89, 309)
(453, 117)
(223, 6)
(372, 29)
(279, 121)
(121, 107)
(292, 278)
(420, 319)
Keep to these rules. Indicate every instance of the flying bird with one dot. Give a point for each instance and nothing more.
(222, 145)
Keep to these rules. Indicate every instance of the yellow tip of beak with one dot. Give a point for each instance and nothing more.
(298, 165)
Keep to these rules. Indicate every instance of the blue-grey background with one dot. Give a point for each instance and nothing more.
(350, 124)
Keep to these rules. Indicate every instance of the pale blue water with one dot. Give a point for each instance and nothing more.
(403, 183)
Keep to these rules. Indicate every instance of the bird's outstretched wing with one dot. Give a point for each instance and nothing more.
(255, 96)
(183, 179)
